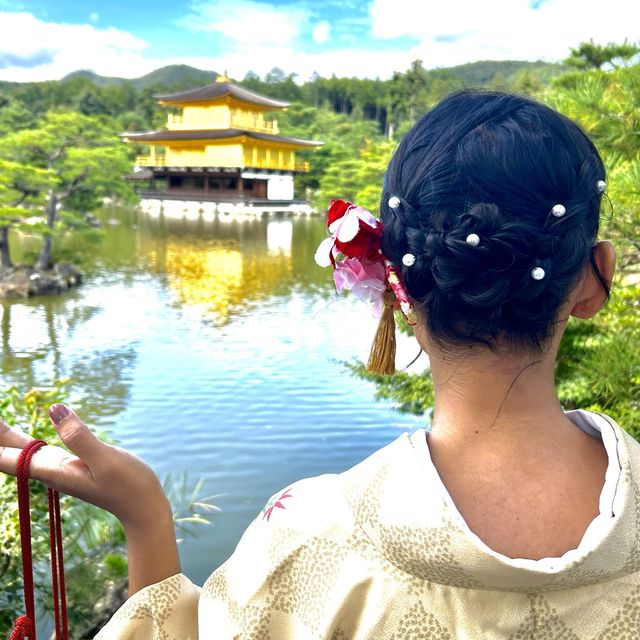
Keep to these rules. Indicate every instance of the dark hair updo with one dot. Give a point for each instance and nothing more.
(494, 165)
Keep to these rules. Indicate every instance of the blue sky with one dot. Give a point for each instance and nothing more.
(46, 39)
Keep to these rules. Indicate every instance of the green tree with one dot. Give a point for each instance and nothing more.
(357, 179)
(14, 116)
(119, 98)
(19, 188)
(69, 161)
(91, 103)
(408, 95)
(590, 55)
(527, 82)
(606, 105)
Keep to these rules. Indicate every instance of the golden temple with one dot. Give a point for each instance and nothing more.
(221, 147)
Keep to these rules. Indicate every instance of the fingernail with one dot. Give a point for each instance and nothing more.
(58, 413)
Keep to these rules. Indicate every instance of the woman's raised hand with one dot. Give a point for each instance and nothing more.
(106, 476)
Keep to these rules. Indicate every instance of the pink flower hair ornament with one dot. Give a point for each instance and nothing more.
(353, 249)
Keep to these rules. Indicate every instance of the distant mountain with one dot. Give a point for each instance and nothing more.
(484, 72)
(99, 81)
(176, 77)
(180, 77)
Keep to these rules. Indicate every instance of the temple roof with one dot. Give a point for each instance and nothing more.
(214, 134)
(217, 90)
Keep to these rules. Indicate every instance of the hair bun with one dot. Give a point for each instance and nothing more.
(484, 173)
(479, 275)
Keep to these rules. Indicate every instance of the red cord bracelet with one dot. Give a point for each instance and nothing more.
(25, 625)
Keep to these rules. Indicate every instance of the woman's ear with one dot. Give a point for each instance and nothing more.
(591, 294)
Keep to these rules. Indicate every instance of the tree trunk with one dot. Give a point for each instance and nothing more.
(44, 259)
(5, 336)
(5, 255)
(390, 130)
(53, 342)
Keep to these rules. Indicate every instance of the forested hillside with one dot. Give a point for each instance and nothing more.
(387, 102)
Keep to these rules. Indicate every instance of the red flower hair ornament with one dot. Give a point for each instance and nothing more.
(354, 250)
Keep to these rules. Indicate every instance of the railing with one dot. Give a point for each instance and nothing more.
(301, 167)
(252, 123)
(150, 161)
(179, 123)
(161, 161)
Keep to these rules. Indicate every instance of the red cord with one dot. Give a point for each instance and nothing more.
(57, 566)
(25, 626)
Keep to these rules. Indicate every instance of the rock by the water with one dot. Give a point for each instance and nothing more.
(92, 221)
(24, 282)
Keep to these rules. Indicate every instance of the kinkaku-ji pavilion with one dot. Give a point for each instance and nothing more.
(221, 148)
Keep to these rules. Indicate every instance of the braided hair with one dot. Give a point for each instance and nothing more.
(477, 179)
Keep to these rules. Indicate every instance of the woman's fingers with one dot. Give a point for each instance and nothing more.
(106, 476)
(10, 437)
(76, 436)
(12, 441)
(53, 465)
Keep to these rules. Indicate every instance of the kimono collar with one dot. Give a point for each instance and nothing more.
(421, 533)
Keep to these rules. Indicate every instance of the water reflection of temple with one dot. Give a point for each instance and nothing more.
(220, 154)
(218, 276)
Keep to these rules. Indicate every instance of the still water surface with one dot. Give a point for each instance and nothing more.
(212, 348)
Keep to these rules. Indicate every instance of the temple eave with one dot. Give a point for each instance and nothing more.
(218, 91)
(214, 134)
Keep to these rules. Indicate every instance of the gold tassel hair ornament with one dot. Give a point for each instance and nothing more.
(354, 250)
(382, 359)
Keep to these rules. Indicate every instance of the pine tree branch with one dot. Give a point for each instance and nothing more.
(74, 185)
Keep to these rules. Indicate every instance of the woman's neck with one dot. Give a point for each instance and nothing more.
(500, 440)
(490, 396)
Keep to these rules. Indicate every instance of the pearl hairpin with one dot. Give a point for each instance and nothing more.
(538, 273)
(558, 210)
(394, 202)
(408, 259)
(473, 239)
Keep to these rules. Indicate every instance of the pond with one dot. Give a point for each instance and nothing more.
(213, 348)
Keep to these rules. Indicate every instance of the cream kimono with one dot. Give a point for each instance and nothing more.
(381, 552)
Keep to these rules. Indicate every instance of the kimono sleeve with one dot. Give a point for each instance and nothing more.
(167, 610)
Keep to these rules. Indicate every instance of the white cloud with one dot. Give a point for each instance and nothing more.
(247, 22)
(321, 32)
(461, 31)
(257, 36)
(31, 49)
